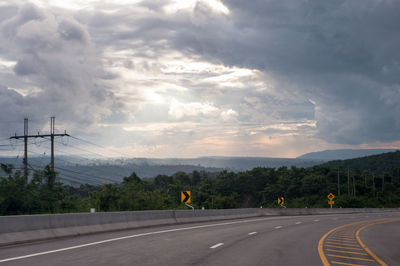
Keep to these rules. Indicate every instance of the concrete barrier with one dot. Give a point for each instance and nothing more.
(27, 228)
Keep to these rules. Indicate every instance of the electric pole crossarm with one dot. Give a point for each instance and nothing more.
(40, 136)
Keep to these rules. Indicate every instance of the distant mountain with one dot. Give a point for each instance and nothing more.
(75, 170)
(237, 163)
(380, 163)
(329, 155)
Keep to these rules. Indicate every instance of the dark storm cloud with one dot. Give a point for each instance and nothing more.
(57, 72)
(341, 54)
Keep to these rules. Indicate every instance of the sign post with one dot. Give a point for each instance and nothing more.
(330, 201)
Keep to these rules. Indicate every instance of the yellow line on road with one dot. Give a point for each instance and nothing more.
(343, 251)
(351, 235)
(341, 243)
(344, 263)
(335, 246)
(365, 247)
(348, 231)
(341, 240)
(321, 245)
(350, 258)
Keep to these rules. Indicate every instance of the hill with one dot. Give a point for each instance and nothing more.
(380, 163)
(237, 163)
(329, 155)
(76, 170)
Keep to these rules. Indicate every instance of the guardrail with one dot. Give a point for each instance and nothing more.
(28, 228)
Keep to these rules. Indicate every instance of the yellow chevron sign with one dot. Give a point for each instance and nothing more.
(185, 197)
(281, 200)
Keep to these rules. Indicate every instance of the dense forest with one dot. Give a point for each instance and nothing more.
(380, 163)
(259, 187)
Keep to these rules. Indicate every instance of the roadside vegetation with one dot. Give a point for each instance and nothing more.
(260, 187)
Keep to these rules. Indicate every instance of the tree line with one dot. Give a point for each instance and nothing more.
(259, 187)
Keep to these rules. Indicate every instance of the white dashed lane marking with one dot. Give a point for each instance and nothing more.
(217, 245)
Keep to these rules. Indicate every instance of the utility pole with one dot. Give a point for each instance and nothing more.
(373, 183)
(338, 182)
(354, 185)
(348, 182)
(26, 149)
(365, 180)
(26, 136)
(52, 125)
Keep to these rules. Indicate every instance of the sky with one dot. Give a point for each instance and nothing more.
(190, 78)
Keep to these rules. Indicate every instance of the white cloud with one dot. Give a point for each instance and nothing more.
(180, 110)
(229, 115)
(214, 5)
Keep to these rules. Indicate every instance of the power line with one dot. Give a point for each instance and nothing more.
(100, 146)
(63, 175)
(80, 173)
(76, 180)
(20, 144)
(77, 172)
(80, 177)
(89, 175)
(85, 150)
(26, 136)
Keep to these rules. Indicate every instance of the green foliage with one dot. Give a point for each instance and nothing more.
(301, 188)
(381, 163)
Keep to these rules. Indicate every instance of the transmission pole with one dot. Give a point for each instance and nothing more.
(26, 136)
(348, 182)
(373, 183)
(52, 122)
(26, 149)
(338, 182)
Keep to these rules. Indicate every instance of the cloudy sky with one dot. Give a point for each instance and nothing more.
(188, 78)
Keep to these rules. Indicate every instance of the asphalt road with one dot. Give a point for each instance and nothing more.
(290, 240)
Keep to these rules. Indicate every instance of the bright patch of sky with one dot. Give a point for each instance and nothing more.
(178, 5)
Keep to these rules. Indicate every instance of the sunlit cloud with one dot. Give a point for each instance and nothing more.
(214, 5)
(179, 110)
(7, 63)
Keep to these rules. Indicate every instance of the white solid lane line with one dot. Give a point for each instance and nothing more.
(277, 227)
(130, 236)
(217, 245)
(252, 233)
(298, 222)
(316, 220)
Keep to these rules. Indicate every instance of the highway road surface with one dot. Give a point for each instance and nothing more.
(344, 239)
